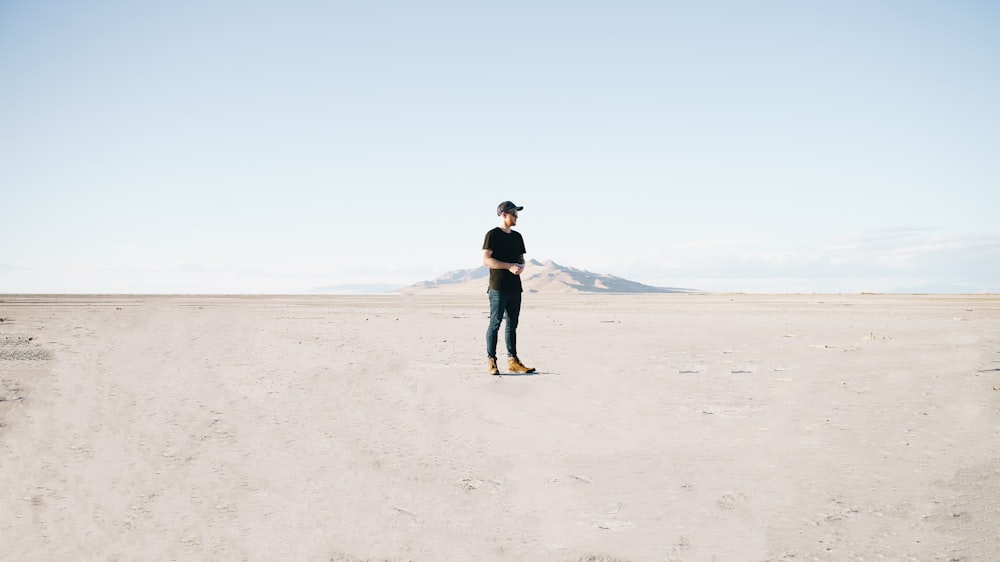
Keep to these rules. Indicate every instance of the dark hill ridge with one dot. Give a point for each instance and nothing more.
(540, 277)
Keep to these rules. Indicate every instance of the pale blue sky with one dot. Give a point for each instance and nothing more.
(278, 146)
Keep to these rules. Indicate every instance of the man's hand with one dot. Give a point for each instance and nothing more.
(517, 268)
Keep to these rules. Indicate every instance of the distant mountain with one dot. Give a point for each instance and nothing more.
(937, 289)
(539, 277)
(356, 289)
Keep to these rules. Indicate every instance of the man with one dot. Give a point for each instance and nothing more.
(503, 253)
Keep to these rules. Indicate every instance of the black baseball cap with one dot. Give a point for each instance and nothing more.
(507, 207)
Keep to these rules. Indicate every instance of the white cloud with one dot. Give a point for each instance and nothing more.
(881, 260)
(878, 261)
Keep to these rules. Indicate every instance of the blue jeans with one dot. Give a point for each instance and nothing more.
(503, 306)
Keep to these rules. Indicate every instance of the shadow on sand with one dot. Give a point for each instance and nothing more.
(535, 374)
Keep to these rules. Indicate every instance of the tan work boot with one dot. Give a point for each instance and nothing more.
(515, 366)
(491, 363)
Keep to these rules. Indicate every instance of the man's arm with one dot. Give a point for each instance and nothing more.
(493, 263)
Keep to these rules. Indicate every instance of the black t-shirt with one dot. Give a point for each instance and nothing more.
(507, 247)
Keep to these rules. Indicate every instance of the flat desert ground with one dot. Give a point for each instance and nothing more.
(365, 428)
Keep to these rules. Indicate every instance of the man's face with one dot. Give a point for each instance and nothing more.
(510, 219)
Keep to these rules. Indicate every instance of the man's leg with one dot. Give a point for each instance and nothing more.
(513, 310)
(513, 315)
(497, 305)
